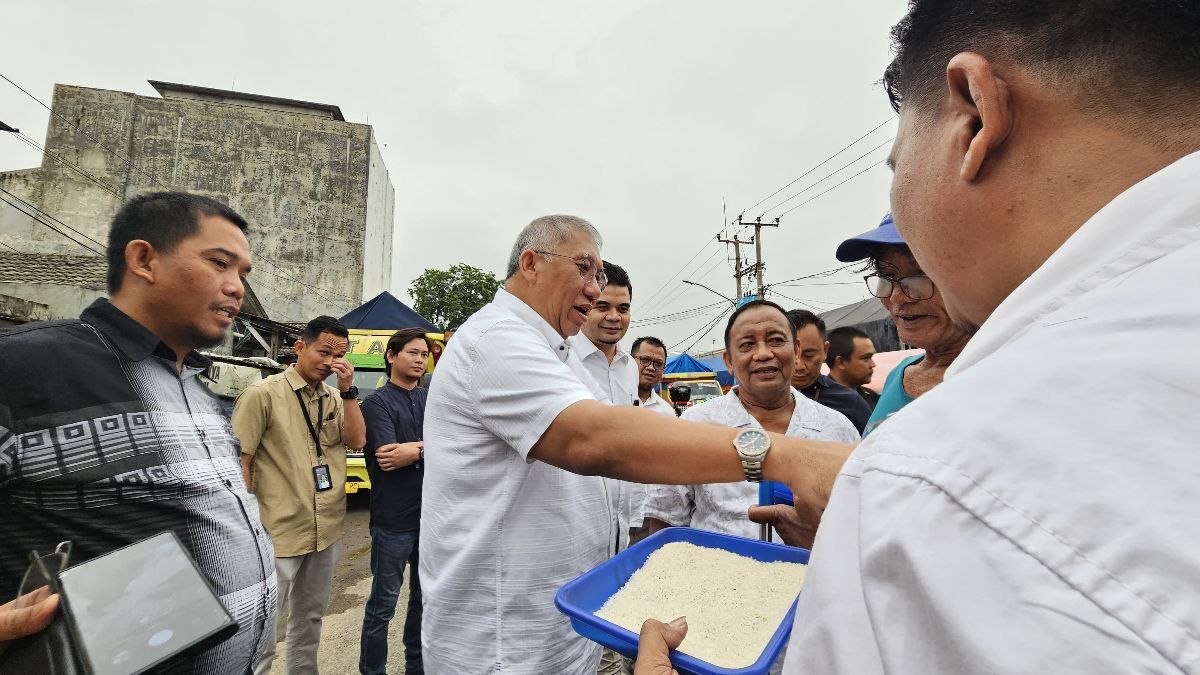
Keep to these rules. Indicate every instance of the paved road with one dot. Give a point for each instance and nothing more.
(338, 653)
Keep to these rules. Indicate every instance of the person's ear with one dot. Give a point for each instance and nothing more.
(299, 347)
(980, 108)
(526, 265)
(142, 260)
(728, 361)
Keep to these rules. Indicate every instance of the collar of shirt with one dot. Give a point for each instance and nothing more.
(511, 303)
(1162, 205)
(298, 383)
(656, 402)
(729, 411)
(132, 338)
(822, 382)
(587, 350)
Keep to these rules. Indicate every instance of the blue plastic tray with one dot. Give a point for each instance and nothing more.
(581, 597)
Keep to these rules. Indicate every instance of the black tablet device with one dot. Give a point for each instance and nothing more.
(140, 607)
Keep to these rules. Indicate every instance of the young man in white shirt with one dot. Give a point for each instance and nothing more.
(613, 380)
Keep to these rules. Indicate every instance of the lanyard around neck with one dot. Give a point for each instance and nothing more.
(312, 430)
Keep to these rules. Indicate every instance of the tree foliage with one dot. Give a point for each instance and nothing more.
(448, 297)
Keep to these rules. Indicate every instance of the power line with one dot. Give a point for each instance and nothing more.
(815, 275)
(127, 161)
(823, 163)
(39, 210)
(35, 217)
(10, 248)
(707, 329)
(814, 309)
(676, 274)
(74, 167)
(827, 177)
(806, 201)
(677, 316)
(324, 293)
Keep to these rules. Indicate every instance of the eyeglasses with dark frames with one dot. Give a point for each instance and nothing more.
(647, 362)
(587, 267)
(915, 287)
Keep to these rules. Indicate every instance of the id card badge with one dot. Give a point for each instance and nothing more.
(322, 478)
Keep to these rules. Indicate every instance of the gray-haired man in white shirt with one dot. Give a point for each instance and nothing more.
(512, 506)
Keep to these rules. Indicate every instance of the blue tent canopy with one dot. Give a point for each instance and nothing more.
(385, 312)
(682, 364)
(717, 365)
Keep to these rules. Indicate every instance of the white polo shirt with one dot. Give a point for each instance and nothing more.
(501, 533)
(616, 384)
(722, 507)
(1039, 511)
(658, 404)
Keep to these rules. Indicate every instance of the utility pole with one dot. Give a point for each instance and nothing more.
(758, 266)
(738, 272)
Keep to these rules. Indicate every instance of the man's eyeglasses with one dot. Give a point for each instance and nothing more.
(916, 287)
(647, 362)
(587, 267)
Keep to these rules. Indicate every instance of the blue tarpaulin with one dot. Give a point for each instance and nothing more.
(684, 364)
(717, 365)
(385, 312)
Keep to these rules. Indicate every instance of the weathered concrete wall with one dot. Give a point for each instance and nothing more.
(23, 309)
(377, 249)
(303, 182)
(62, 302)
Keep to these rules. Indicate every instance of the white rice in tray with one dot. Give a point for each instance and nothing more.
(733, 604)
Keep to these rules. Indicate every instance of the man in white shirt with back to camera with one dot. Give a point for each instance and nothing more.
(1037, 512)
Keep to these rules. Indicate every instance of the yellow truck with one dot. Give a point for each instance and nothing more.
(367, 348)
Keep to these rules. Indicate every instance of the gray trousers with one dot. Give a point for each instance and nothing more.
(305, 582)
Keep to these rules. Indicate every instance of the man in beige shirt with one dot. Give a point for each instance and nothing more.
(294, 431)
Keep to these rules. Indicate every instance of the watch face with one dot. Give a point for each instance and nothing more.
(753, 442)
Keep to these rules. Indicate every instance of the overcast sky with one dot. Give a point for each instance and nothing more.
(641, 117)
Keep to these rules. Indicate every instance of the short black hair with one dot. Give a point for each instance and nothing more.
(403, 337)
(162, 218)
(841, 343)
(1110, 56)
(617, 276)
(323, 324)
(751, 305)
(650, 340)
(802, 317)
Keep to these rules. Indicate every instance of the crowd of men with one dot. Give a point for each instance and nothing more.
(1035, 508)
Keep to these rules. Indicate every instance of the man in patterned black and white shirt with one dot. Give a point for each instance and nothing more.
(106, 434)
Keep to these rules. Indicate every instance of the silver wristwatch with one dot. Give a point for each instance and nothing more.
(752, 446)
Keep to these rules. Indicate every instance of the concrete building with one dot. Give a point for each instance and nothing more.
(313, 187)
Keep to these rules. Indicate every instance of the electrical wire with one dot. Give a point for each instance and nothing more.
(324, 293)
(127, 161)
(707, 329)
(823, 163)
(74, 167)
(34, 216)
(826, 177)
(39, 210)
(825, 192)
